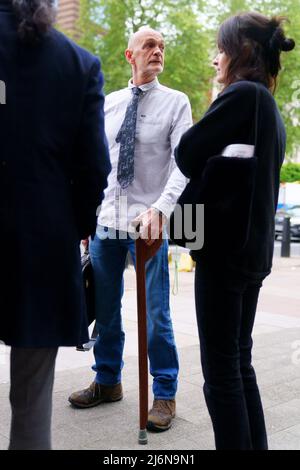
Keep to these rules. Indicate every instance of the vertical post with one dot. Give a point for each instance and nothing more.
(286, 238)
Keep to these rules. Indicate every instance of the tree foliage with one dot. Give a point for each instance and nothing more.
(105, 26)
(290, 172)
(190, 30)
(288, 91)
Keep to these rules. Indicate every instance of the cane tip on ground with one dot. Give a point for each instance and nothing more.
(143, 439)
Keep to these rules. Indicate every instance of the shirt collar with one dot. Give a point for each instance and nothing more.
(146, 86)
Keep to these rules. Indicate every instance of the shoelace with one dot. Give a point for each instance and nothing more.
(93, 389)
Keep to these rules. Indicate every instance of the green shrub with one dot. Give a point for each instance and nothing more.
(290, 172)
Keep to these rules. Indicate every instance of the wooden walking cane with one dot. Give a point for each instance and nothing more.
(143, 253)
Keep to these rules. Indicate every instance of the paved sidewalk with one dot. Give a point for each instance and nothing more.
(115, 426)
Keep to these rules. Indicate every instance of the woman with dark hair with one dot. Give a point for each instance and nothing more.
(53, 170)
(35, 18)
(243, 120)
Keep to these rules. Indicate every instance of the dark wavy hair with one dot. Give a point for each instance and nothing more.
(253, 43)
(35, 18)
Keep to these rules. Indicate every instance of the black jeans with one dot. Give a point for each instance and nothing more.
(226, 307)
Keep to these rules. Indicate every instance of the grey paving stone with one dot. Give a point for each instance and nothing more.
(196, 379)
(5, 418)
(282, 338)
(84, 418)
(71, 380)
(284, 440)
(281, 393)
(205, 441)
(283, 416)
(4, 441)
(295, 430)
(186, 386)
(184, 444)
(192, 400)
(277, 376)
(260, 353)
(69, 437)
(4, 391)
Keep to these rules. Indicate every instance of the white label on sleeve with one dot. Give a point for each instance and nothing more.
(239, 150)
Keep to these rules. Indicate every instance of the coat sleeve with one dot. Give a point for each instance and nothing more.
(92, 164)
(229, 120)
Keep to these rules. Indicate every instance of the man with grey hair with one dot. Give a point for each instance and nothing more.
(144, 123)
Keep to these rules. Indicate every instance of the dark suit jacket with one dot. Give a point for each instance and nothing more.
(230, 120)
(53, 169)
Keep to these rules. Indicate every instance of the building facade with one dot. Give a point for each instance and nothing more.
(68, 12)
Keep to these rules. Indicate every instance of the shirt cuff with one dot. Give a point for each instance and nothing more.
(163, 206)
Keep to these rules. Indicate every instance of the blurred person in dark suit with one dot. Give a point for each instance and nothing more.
(54, 165)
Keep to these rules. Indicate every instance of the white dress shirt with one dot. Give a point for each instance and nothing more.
(163, 115)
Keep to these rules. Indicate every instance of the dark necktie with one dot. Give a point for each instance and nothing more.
(126, 138)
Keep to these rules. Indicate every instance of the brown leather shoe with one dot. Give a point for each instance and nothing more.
(96, 394)
(161, 414)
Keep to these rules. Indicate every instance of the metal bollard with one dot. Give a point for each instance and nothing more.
(286, 238)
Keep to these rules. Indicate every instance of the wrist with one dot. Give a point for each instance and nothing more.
(162, 216)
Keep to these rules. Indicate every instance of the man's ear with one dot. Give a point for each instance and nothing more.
(129, 56)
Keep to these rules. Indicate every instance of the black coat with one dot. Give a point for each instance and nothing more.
(53, 169)
(230, 120)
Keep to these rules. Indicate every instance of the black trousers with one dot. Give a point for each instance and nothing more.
(226, 307)
(32, 377)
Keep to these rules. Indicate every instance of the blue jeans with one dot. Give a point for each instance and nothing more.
(108, 258)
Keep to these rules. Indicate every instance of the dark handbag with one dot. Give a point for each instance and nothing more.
(89, 292)
(214, 211)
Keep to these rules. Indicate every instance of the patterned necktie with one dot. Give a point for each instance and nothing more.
(126, 138)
